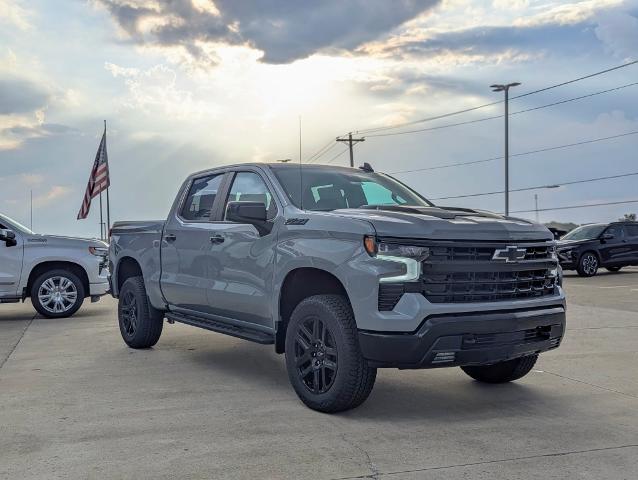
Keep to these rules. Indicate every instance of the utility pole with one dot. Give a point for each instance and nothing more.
(506, 89)
(536, 207)
(31, 226)
(351, 141)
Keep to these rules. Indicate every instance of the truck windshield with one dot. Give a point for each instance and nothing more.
(326, 189)
(13, 225)
(586, 232)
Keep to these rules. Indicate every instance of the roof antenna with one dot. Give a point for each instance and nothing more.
(300, 169)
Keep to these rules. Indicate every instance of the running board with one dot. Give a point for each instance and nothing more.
(245, 333)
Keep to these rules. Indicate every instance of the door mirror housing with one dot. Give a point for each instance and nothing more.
(246, 212)
(608, 236)
(252, 213)
(9, 237)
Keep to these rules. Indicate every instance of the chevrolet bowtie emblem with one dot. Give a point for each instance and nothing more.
(510, 254)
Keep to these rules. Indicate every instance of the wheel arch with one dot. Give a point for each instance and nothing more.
(301, 283)
(46, 266)
(591, 250)
(126, 268)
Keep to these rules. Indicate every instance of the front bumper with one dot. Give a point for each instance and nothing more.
(480, 338)
(567, 259)
(99, 289)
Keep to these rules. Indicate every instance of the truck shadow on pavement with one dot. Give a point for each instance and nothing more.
(446, 394)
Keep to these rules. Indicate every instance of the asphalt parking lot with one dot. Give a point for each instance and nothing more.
(75, 402)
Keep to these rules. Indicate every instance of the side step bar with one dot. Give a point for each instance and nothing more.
(245, 333)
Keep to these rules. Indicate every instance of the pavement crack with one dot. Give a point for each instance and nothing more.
(24, 330)
(488, 462)
(373, 468)
(611, 390)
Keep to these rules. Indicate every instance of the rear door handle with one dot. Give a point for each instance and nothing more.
(217, 239)
(170, 237)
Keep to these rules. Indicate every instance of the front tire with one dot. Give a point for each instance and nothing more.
(58, 293)
(588, 264)
(140, 323)
(323, 358)
(502, 372)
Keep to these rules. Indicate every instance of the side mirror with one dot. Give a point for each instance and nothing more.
(608, 236)
(246, 212)
(9, 237)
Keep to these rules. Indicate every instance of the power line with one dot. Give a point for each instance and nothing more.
(321, 151)
(471, 109)
(578, 79)
(338, 155)
(576, 98)
(538, 187)
(569, 207)
(449, 165)
(484, 119)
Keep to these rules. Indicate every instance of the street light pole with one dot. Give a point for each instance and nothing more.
(506, 90)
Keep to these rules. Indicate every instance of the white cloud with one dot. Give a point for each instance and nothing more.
(510, 4)
(155, 89)
(567, 13)
(619, 32)
(13, 13)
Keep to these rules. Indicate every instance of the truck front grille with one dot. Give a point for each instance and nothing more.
(464, 272)
(462, 287)
(485, 253)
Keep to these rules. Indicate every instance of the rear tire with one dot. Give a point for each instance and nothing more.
(140, 323)
(588, 264)
(58, 293)
(613, 269)
(323, 358)
(502, 372)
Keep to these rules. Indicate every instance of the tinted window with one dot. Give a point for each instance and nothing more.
(631, 230)
(586, 232)
(330, 189)
(201, 197)
(250, 187)
(615, 230)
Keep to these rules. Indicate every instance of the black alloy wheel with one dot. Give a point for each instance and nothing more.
(128, 313)
(316, 355)
(140, 323)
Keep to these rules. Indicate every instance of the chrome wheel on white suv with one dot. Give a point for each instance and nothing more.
(57, 293)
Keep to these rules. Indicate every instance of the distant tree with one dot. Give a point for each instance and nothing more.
(629, 217)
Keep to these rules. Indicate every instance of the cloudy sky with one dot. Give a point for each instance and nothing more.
(190, 84)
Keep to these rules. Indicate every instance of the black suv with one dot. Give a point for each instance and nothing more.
(610, 245)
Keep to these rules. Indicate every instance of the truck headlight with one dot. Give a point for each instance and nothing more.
(565, 253)
(410, 256)
(99, 251)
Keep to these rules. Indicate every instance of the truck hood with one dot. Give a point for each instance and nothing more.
(61, 241)
(447, 223)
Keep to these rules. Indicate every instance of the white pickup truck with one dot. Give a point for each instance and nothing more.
(58, 273)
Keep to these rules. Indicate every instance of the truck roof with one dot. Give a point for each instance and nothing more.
(277, 166)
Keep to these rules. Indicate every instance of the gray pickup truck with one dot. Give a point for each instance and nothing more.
(345, 271)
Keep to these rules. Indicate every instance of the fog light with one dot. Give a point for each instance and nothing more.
(444, 357)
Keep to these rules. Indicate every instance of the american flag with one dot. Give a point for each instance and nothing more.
(99, 179)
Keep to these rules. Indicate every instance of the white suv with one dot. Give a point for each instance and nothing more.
(58, 273)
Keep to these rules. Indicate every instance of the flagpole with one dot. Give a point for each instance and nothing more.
(101, 220)
(108, 202)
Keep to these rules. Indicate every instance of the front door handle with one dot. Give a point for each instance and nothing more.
(217, 239)
(170, 237)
